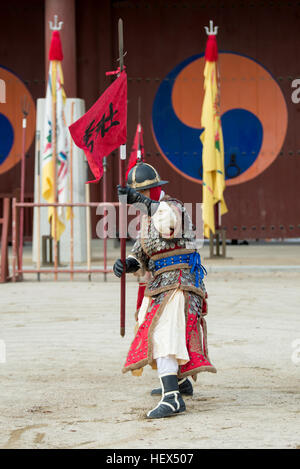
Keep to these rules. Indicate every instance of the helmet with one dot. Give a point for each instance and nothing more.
(143, 176)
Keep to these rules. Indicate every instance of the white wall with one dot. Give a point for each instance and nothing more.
(79, 179)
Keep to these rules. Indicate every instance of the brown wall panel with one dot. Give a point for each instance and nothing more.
(22, 51)
(158, 35)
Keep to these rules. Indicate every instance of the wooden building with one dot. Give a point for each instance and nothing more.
(259, 45)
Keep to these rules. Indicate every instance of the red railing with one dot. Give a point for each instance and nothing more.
(17, 264)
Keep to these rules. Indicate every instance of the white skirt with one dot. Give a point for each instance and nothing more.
(169, 333)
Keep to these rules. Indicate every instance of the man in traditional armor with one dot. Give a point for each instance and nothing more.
(171, 331)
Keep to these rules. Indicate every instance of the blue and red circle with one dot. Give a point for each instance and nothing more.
(253, 115)
(11, 117)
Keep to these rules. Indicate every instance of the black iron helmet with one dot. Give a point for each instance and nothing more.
(143, 176)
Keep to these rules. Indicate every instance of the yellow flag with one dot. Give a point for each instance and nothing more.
(213, 149)
(55, 93)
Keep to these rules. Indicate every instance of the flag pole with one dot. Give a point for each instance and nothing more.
(38, 138)
(213, 31)
(71, 199)
(104, 198)
(218, 222)
(139, 109)
(55, 26)
(54, 218)
(123, 208)
(215, 204)
(139, 152)
(25, 111)
(88, 229)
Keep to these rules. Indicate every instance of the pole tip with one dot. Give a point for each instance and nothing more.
(122, 331)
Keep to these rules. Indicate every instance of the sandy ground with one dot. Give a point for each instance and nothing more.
(62, 386)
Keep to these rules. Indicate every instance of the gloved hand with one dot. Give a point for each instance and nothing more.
(132, 265)
(134, 197)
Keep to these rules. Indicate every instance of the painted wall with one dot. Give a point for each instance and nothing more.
(259, 47)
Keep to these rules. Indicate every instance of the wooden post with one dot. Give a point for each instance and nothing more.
(14, 240)
(16, 195)
(211, 244)
(4, 272)
(220, 234)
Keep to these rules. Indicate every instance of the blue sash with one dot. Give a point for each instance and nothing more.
(193, 260)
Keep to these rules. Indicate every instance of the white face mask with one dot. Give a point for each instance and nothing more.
(162, 194)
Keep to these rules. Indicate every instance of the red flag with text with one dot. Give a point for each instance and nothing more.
(103, 128)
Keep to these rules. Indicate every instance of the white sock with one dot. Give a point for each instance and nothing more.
(167, 365)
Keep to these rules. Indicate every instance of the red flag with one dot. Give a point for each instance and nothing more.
(103, 128)
(137, 151)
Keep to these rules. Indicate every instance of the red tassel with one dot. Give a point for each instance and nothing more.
(211, 51)
(55, 51)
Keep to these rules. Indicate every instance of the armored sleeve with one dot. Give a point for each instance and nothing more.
(140, 255)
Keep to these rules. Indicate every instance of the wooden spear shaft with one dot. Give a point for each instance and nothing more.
(38, 138)
(123, 208)
(104, 199)
(23, 164)
(88, 228)
(139, 152)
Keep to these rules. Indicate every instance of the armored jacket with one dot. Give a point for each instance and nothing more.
(166, 247)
